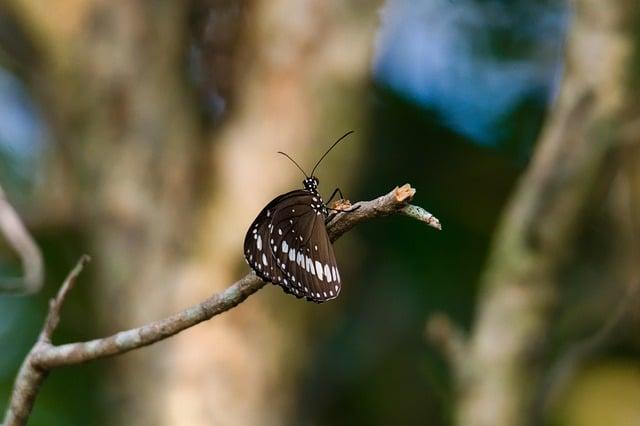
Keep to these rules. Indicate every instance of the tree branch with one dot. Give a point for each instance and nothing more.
(24, 245)
(44, 356)
(451, 341)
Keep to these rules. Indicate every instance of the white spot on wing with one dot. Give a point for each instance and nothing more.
(310, 267)
(334, 273)
(259, 243)
(264, 259)
(292, 254)
(285, 246)
(327, 272)
(319, 269)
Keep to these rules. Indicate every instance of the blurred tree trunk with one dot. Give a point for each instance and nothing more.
(164, 208)
(289, 89)
(597, 101)
(288, 98)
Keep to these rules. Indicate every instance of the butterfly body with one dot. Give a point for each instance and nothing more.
(288, 245)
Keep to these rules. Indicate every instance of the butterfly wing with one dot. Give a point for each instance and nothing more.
(257, 250)
(302, 260)
(302, 249)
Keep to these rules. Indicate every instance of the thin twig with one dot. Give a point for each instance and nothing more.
(450, 340)
(422, 215)
(22, 242)
(55, 304)
(45, 356)
(31, 375)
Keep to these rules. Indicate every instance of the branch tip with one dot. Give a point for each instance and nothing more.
(71, 278)
(55, 304)
(422, 215)
(449, 339)
(404, 193)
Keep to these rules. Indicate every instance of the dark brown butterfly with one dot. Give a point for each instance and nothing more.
(288, 245)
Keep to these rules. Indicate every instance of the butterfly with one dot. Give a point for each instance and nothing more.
(288, 244)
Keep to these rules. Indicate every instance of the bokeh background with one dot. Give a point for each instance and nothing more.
(144, 133)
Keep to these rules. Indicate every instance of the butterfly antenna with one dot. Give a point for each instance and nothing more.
(325, 154)
(294, 162)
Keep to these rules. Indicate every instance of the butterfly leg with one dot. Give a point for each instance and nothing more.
(335, 191)
(330, 217)
(334, 212)
(349, 210)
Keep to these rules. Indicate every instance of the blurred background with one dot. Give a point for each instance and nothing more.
(145, 134)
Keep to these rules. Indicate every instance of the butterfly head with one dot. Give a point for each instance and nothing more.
(311, 184)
